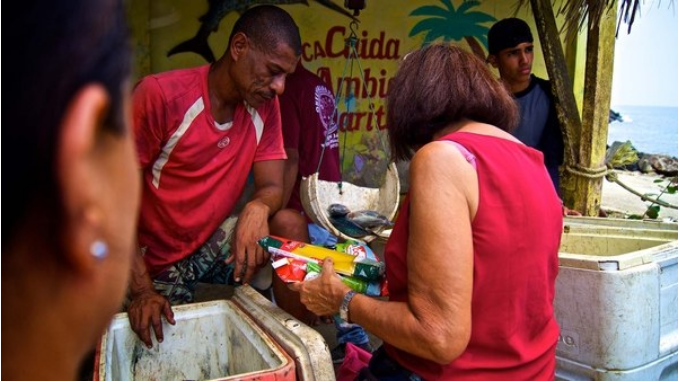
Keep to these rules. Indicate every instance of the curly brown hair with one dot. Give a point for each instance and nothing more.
(438, 85)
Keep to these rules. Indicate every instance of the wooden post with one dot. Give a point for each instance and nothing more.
(562, 86)
(586, 176)
(585, 140)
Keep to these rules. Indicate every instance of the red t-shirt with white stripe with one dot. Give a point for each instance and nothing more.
(193, 170)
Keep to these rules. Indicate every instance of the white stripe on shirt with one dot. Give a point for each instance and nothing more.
(256, 120)
(190, 115)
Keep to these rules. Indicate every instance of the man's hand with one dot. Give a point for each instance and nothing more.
(253, 220)
(245, 251)
(144, 312)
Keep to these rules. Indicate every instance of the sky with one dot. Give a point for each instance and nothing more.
(645, 66)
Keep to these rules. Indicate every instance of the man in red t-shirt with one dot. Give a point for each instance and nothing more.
(199, 132)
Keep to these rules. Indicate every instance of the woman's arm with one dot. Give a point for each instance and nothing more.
(435, 323)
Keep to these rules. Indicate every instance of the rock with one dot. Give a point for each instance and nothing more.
(663, 164)
(632, 167)
(644, 165)
(614, 116)
(621, 154)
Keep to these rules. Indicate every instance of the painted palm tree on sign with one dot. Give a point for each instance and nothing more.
(454, 24)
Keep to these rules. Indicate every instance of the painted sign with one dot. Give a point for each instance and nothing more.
(356, 58)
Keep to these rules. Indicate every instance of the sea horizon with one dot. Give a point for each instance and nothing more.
(651, 129)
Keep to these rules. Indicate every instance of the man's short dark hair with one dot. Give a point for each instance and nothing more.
(266, 26)
(508, 33)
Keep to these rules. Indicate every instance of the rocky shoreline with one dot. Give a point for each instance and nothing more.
(649, 175)
(660, 164)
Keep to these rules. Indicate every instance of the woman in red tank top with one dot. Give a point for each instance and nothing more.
(472, 260)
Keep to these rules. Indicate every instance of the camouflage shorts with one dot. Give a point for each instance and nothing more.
(206, 265)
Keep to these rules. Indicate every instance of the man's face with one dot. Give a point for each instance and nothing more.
(262, 75)
(515, 64)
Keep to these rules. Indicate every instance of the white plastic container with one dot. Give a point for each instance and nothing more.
(304, 344)
(643, 229)
(211, 340)
(616, 301)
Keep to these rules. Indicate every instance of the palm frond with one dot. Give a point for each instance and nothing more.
(433, 35)
(473, 30)
(625, 15)
(479, 17)
(449, 5)
(451, 24)
(576, 12)
(466, 5)
(428, 24)
(430, 10)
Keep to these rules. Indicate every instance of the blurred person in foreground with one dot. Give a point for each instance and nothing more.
(71, 192)
(471, 264)
(199, 132)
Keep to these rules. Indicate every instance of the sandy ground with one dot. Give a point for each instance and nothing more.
(614, 198)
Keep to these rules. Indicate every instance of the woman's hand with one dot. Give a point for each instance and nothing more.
(569, 212)
(324, 294)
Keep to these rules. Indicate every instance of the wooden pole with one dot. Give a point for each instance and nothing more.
(562, 86)
(585, 177)
(585, 140)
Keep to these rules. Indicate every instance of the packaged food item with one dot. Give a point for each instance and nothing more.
(345, 264)
(356, 248)
(290, 270)
(360, 285)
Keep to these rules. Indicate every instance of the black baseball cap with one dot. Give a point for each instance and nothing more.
(508, 33)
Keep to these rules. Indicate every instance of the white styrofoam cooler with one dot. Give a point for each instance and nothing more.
(643, 229)
(616, 302)
(211, 340)
(304, 344)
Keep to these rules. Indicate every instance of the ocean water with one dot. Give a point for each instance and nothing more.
(652, 129)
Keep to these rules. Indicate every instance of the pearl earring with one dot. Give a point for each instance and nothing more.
(99, 249)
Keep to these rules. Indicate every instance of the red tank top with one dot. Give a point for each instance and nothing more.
(516, 236)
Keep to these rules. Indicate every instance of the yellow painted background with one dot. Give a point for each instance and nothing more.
(159, 25)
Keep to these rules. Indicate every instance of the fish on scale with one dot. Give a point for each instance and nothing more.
(356, 223)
